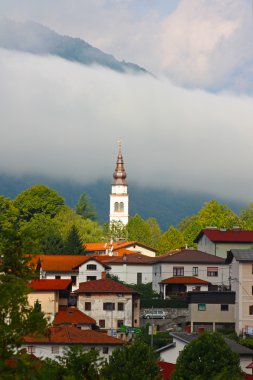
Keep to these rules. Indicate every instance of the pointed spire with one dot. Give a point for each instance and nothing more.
(119, 175)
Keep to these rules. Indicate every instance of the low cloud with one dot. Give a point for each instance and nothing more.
(63, 119)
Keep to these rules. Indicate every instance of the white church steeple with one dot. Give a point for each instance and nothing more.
(119, 194)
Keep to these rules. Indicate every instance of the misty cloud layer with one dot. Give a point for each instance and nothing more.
(63, 119)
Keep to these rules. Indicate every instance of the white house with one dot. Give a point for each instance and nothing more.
(110, 303)
(190, 263)
(241, 263)
(59, 338)
(219, 241)
(134, 268)
(78, 268)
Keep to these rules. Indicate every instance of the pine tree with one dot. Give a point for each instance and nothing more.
(73, 244)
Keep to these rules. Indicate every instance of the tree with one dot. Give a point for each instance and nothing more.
(17, 318)
(246, 216)
(85, 208)
(115, 230)
(73, 244)
(207, 357)
(155, 232)
(172, 239)
(211, 214)
(135, 361)
(36, 200)
(139, 230)
(89, 231)
(80, 363)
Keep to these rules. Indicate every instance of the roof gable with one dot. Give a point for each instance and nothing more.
(72, 315)
(104, 285)
(72, 335)
(190, 256)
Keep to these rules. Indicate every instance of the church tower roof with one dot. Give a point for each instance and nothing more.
(119, 174)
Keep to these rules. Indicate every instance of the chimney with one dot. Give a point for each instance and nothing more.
(103, 275)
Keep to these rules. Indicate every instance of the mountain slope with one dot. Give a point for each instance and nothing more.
(38, 39)
(166, 205)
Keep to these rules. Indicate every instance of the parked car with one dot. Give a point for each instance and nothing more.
(155, 314)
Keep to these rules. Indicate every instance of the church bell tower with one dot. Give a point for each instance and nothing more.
(119, 193)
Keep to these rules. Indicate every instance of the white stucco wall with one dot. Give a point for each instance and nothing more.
(220, 249)
(119, 194)
(45, 350)
(49, 301)
(128, 273)
(110, 317)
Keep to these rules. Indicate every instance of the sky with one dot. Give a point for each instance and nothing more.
(188, 126)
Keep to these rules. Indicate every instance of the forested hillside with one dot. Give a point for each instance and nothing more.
(168, 206)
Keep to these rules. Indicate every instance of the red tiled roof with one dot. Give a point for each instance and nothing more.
(74, 316)
(61, 263)
(184, 280)
(248, 377)
(72, 335)
(104, 285)
(49, 284)
(226, 236)
(134, 258)
(190, 256)
(166, 369)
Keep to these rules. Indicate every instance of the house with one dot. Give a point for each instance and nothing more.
(134, 268)
(110, 303)
(241, 264)
(78, 268)
(190, 263)
(74, 317)
(49, 295)
(211, 310)
(219, 241)
(171, 353)
(119, 248)
(59, 338)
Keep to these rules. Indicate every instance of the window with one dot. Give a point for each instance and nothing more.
(120, 323)
(73, 279)
(224, 307)
(105, 350)
(91, 278)
(91, 267)
(87, 306)
(116, 206)
(251, 310)
(31, 349)
(101, 323)
(139, 278)
(120, 306)
(57, 277)
(121, 207)
(109, 306)
(212, 271)
(178, 271)
(201, 307)
(195, 271)
(55, 349)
